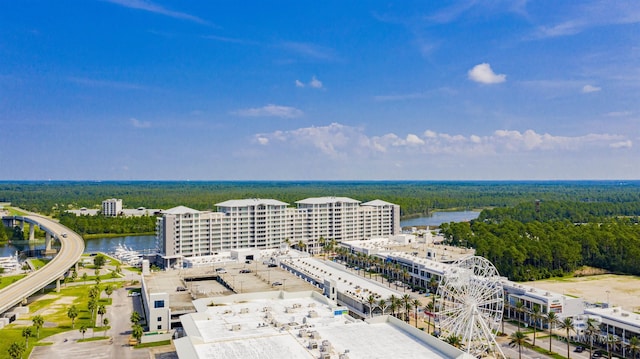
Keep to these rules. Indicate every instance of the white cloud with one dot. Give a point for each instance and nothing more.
(157, 9)
(414, 140)
(270, 111)
(310, 51)
(590, 88)
(483, 73)
(339, 140)
(140, 124)
(621, 144)
(618, 113)
(315, 83)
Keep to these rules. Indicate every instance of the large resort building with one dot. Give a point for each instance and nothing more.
(267, 223)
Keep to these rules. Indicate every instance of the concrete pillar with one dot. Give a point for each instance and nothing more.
(32, 231)
(47, 241)
(58, 285)
(77, 267)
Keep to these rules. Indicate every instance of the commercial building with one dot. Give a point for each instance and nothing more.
(298, 325)
(268, 223)
(111, 207)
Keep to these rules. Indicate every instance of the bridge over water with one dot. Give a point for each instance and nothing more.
(71, 249)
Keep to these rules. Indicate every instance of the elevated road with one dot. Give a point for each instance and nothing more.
(71, 248)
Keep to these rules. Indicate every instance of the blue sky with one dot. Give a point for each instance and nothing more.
(307, 90)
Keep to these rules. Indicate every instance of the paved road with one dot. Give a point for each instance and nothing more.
(71, 249)
(65, 345)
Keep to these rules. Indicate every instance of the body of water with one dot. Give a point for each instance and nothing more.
(107, 245)
(440, 217)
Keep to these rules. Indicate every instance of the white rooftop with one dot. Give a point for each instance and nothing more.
(346, 282)
(181, 210)
(378, 203)
(251, 202)
(324, 200)
(286, 325)
(623, 318)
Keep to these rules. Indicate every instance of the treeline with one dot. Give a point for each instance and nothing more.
(576, 212)
(536, 250)
(108, 225)
(414, 197)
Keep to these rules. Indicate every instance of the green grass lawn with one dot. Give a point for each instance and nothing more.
(39, 262)
(6, 281)
(78, 297)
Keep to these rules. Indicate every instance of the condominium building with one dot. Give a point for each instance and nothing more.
(111, 207)
(269, 223)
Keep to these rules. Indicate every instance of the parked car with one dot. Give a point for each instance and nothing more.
(221, 270)
(245, 270)
(181, 289)
(275, 284)
(579, 349)
(272, 265)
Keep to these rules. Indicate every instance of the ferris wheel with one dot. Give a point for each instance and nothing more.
(470, 304)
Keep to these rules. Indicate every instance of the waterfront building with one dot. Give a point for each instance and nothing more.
(111, 207)
(268, 223)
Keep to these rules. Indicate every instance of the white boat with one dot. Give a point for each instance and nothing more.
(10, 264)
(127, 255)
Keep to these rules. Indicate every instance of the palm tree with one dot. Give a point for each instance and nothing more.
(108, 291)
(83, 329)
(371, 302)
(612, 340)
(137, 332)
(592, 328)
(72, 313)
(16, 350)
(552, 320)
(406, 299)
(519, 310)
(634, 345)
(85, 276)
(567, 324)
(26, 333)
(536, 314)
(105, 323)
(393, 304)
(383, 305)
(518, 338)
(38, 322)
(454, 340)
(135, 317)
(102, 310)
(416, 305)
(429, 308)
(92, 306)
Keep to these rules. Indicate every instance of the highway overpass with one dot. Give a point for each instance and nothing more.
(71, 248)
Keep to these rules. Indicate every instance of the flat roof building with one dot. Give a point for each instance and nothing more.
(298, 325)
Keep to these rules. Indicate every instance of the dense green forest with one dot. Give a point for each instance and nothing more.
(414, 197)
(84, 225)
(555, 238)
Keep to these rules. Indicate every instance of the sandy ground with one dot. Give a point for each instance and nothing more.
(619, 290)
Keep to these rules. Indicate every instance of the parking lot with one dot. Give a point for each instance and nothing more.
(260, 277)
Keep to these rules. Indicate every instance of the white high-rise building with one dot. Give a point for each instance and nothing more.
(268, 223)
(111, 207)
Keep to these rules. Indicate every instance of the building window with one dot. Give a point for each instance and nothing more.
(158, 304)
(159, 326)
(159, 319)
